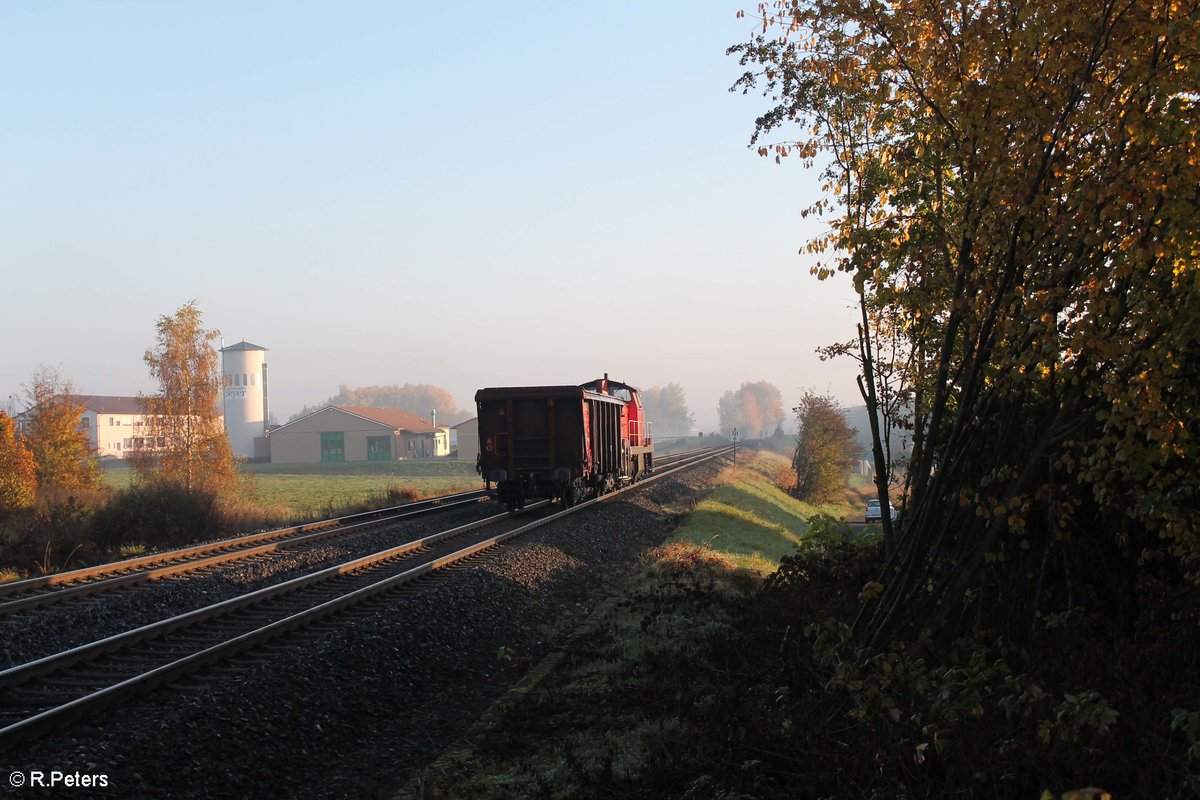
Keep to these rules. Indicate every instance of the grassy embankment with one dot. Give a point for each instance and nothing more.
(752, 522)
(642, 692)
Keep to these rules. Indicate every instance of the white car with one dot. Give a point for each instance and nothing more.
(873, 513)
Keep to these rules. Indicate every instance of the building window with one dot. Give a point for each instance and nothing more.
(245, 382)
(253, 379)
(237, 380)
(333, 446)
(379, 448)
(85, 422)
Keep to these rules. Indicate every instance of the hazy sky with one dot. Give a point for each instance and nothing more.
(466, 194)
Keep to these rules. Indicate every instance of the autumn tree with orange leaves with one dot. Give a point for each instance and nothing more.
(65, 458)
(1014, 187)
(18, 470)
(754, 409)
(190, 448)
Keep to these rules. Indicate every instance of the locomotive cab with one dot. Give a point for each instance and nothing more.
(637, 441)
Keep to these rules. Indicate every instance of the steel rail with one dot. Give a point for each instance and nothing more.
(14, 676)
(86, 581)
(72, 576)
(59, 716)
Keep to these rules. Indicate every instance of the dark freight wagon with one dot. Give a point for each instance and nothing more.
(561, 442)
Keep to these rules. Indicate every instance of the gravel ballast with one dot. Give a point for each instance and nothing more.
(356, 706)
(49, 629)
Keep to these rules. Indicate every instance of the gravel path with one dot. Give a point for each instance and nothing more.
(356, 706)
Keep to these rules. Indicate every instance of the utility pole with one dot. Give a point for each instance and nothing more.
(735, 445)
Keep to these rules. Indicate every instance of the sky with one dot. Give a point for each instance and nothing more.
(466, 195)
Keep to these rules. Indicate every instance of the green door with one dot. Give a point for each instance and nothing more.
(379, 448)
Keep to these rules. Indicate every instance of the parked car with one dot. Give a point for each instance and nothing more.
(874, 514)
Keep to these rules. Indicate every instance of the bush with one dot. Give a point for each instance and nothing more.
(158, 515)
(51, 535)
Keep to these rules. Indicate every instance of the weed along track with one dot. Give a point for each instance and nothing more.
(49, 693)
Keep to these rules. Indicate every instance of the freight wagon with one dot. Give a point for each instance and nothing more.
(561, 442)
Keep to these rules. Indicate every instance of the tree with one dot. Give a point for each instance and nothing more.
(667, 409)
(18, 470)
(417, 399)
(1013, 190)
(886, 381)
(826, 446)
(187, 444)
(60, 447)
(755, 409)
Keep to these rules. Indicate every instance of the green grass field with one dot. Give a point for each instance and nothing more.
(750, 519)
(322, 495)
(312, 490)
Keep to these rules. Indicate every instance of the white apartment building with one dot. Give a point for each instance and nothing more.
(115, 425)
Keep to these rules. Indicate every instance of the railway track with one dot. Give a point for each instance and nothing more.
(60, 587)
(52, 692)
(63, 586)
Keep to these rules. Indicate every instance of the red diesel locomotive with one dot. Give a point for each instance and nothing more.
(561, 442)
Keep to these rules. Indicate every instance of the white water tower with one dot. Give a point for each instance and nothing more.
(245, 376)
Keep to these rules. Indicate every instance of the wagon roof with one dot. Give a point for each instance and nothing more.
(535, 392)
